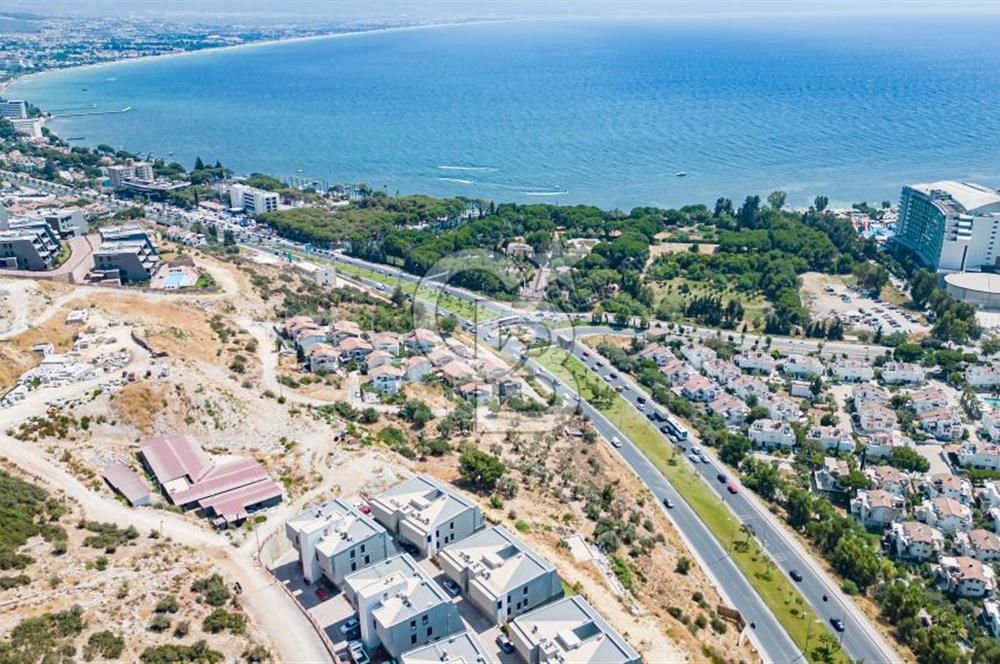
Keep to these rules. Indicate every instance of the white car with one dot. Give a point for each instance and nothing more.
(615, 441)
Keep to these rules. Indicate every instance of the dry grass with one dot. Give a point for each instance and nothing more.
(139, 405)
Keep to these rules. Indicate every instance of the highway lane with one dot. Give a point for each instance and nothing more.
(860, 639)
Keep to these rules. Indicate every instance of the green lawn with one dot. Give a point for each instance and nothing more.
(776, 590)
(669, 292)
(456, 305)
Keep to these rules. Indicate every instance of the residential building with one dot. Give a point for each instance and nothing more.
(27, 127)
(781, 407)
(416, 368)
(879, 445)
(721, 371)
(991, 424)
(378, 358)
(746, 386)
(399, 606)
(946, 514)
(699, 388)
(756, 361)
(697, 354)
(422, 340)
(942, 423)
(988, 495)
(252, 199)
(802, 366)
(867, 393)
(519, 250)
(990, 617)
(729, 408)
(827, 478)
(852, 371)
(426, 513)
(978, 455)
(386, 341)
(801, 389)
(353, 349)
(386, 378)
(127, 261)
(336, 539)
(877, 508)
(833, 439)
(340, 330)
(66, 222)
(902, 373)
(983, 545)
(569, 630)
(772, 433)
(928, 398)
(888, 478)
(657, 353)
(322, 358)
(873, 418)
(949, 486)
(32, 247)
(912, 540)
(983, 377)
(508, 387)
(499, 574)
(461, 648)
(965, 576)
(950, 226)
(457, 373)
(678, 372)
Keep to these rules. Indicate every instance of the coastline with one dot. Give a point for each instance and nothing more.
(24, 78)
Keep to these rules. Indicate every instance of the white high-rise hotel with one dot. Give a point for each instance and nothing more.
(951, 226)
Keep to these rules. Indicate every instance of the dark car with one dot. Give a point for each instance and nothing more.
(613, 376)
(641, 399)
(665, 429)
(586, 354)
(838, 624)
(669, 504)
(650, 416)
(505, 644)
(722, 478)
(796, 575)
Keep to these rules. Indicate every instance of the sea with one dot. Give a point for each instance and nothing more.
(617, 113)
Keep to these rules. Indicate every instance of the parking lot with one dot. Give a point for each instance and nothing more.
(856, 308)
(331, 610)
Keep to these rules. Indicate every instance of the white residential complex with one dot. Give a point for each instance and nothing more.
(252, 199)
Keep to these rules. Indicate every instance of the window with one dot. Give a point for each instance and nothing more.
(413, 639)
(499, 603)
(430, 630)
(362, 548)
(353, 553)
(428, 537)
(525, 590)
(413, 624)
(452, 525)
(367, 559)
(354, 566)
(423, 619)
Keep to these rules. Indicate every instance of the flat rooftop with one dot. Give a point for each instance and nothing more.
(461, 648)
(973, 198)
(424, 500)
(571, 631)
(497, 560)
(407, 590)
(342, 524)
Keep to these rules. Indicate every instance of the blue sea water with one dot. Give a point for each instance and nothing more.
(577, 111)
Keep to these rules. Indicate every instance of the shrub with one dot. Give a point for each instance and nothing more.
(159, 623)
(256, 654)
(171, 654)
(212, 589)
(168, 604)
(106, 644)
(683, 565)
(221, 620)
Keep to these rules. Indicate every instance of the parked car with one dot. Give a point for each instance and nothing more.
(350, 626)
(453, 588)
(357, 652)
(505, 644)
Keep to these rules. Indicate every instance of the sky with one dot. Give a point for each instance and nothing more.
(422, 11)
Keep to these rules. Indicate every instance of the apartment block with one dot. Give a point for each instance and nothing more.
(29, 247)
(335, 539)
(426, 514)
(461, 648)
(499, 574)
(399, 606)
(569, 630)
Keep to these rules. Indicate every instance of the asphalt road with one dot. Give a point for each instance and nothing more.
(860, 639)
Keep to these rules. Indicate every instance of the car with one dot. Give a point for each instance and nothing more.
(586, 354)
(796, 575)
(694, 458)
(349, 626)
(613, 376)
(669, 504)
(641, 406)
(838, 624)
(722, 478)
(616, 441)
(650, 416)
(731, 488)
(505, 644)
(641, 399)
(665, 429)
(357, 652)
(453, 588)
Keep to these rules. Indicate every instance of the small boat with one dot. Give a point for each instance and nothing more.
(680, 174)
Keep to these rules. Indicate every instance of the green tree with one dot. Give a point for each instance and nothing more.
(821, 203)
(447, 325)
(480, 469)
(776, 199)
